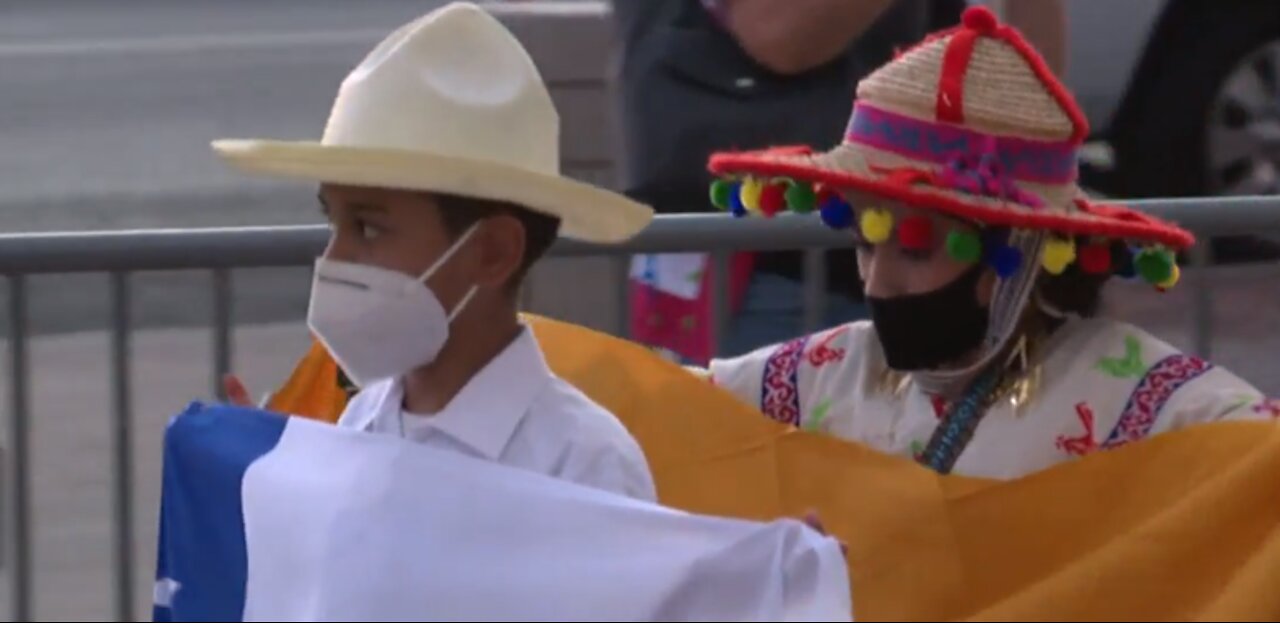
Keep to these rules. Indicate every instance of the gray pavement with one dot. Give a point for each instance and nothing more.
(107, 108)
(120, 98)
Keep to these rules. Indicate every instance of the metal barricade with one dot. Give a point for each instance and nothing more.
(220, 251)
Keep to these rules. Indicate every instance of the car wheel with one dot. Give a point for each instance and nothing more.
(1204, 118)
(1242, 137)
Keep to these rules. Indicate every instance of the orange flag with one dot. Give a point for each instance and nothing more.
(312, 390)
(1185, 526)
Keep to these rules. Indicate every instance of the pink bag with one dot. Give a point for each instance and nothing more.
(671, 301)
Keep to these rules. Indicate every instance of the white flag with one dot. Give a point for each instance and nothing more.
(266, 518)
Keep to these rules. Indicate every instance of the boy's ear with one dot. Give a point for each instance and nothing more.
(501, 242)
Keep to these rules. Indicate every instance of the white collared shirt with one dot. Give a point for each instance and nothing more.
(515, 411)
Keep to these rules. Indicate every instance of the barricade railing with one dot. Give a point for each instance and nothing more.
(222, 250)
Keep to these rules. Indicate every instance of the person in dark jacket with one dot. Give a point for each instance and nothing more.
(693, 77)
(697, 77)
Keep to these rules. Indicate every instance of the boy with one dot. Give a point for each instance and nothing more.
(439, 175)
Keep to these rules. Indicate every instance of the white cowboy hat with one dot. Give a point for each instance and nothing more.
(449, 103)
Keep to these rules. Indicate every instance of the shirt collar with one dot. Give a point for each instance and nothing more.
(486, 412)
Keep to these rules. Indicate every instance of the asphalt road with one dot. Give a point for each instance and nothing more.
(107, 108)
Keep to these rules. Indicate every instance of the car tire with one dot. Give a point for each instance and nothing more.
(1160, 137)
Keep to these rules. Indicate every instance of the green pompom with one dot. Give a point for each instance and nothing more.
(721, 194)
(800, 198)
(964, 246)
(1155, 265)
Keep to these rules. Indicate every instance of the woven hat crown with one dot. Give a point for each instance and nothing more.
(981, 75)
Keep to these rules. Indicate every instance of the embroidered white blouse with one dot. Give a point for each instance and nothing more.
(1102, 384)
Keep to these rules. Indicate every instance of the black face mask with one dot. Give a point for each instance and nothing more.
(925, 331)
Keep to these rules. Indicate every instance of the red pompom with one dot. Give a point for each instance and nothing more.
(773, 199)
(980, 18)
(1095, 258)
(824, 194)
(915, 232)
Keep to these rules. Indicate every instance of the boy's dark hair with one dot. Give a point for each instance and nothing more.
(458, 213)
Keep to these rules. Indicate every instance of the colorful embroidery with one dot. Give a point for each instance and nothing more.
(956, 429)
(823, 353)
(688, 323)
(780, 394)
(1084, 443)
(1035, 161)
(1150, 396)
(1241, 402)
(939, 406)
(1270, 406)
(1128, 366)
(818, 419)
(980, 173)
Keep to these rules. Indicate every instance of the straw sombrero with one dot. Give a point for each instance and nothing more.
(970, 123)
(449, 103)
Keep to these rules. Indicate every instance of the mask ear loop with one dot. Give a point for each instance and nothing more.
(466, 298)
(471, 292)
(449, 253)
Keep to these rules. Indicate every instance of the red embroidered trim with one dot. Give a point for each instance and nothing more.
(1150, 396)
(823, 353)
(1084, 443)
(1270, 406)
(939, 406)
(780, 393)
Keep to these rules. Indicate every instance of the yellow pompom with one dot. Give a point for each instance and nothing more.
(1174, 276)
(1058, 254)
(752, 188)
(876, 225)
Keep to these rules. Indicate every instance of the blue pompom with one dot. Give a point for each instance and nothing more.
(1123, 264)
(837, 213)
(1006, 260)
(736, 206)
(993, 239)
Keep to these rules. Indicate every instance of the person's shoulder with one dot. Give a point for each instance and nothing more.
(839, 341)
(1116, 348)
(565, 406)
(1166, 386)
(596, 449)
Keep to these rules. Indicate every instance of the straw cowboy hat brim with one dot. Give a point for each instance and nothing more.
(886, 175)
(449, 103)
(587, 212)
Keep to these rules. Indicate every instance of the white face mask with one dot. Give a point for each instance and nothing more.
(380, 323)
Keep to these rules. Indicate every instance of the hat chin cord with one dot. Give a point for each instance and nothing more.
(1008, 303)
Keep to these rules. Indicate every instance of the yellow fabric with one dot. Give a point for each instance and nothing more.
(1185, 526)
(312, 390)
